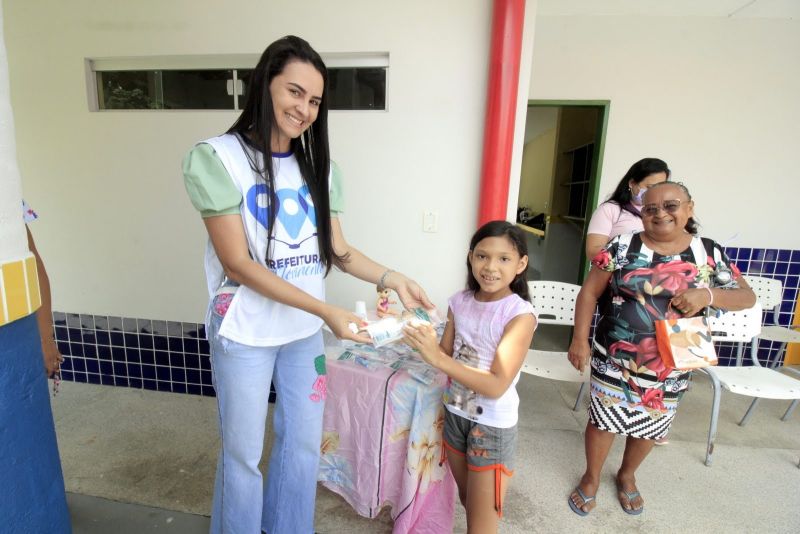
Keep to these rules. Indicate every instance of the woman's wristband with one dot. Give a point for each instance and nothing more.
(382, 279)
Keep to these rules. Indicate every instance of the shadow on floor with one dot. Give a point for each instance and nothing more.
(94, 515)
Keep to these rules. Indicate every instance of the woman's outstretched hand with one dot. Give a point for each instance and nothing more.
(411, 293)
(579, 353)
(340, 322)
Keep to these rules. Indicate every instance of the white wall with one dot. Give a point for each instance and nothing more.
(117, 231)
(715, 97)
(13, 241)
(528, 33)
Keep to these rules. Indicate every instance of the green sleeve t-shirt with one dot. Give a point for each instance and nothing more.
(213, 193)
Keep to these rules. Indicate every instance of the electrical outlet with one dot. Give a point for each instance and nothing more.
(430, 221)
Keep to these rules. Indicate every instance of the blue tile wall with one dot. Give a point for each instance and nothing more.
(139, 353)
(781, 264)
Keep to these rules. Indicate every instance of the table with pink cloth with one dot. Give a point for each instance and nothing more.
(382, 438)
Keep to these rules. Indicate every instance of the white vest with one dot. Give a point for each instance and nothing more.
(253, 319)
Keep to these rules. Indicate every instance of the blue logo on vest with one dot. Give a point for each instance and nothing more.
(294, 208)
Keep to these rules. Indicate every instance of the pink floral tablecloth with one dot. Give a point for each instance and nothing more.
(382, 435)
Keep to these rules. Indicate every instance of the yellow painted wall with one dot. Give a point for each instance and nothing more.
(793, 350)
(19, 289)
(537, 172)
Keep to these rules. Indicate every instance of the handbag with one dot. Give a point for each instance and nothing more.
(685, 343)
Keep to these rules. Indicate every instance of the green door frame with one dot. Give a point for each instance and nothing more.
(604, 107)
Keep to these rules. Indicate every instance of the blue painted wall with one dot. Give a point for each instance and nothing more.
(31, 481)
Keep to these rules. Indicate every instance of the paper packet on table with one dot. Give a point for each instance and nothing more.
(417, 369)
(390, 329)
(367, 356)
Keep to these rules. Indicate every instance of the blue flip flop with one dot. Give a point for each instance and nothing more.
(632, 495)
(586, 500)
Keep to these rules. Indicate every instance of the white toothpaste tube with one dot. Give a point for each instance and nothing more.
(390, 329)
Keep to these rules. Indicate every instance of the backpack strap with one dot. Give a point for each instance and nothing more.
(702, 249)
(623, 246)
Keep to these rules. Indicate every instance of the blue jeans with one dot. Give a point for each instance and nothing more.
(242, 376)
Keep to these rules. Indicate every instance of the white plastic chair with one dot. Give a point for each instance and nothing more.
(554, 303)
(755, 381)
(770, 295)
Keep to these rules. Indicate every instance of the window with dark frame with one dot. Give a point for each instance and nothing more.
(349, 88)
(357, 88)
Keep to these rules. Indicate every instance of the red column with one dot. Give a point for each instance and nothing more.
(501, 101)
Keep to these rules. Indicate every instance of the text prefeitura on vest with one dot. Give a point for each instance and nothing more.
(294, 261)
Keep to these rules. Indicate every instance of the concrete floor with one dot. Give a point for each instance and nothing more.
(95, 515)
(158, 450)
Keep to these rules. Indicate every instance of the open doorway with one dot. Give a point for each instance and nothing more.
(558, 184)
(558, 190)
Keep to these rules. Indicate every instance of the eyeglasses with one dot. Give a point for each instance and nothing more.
(669, 206)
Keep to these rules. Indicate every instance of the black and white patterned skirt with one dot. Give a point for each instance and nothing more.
(633, 404)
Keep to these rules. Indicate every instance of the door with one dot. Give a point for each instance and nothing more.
(559, 179)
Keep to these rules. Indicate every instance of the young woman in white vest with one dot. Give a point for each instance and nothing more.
(269, 197)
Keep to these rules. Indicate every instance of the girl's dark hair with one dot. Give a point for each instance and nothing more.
(514, 234)
(254, 129)
(638, 172)
(691, 225)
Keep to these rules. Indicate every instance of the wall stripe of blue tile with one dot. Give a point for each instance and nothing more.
(781, 264)
(174, 356)
(139, 353)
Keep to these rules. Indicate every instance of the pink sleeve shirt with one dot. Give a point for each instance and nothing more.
(611, 220)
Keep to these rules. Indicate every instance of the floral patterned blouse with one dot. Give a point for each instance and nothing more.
(639, 292)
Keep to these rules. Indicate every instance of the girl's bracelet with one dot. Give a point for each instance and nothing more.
(710, 296)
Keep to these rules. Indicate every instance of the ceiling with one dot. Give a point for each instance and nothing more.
(780, 9)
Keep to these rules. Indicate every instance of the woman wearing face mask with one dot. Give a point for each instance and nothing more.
(620, 214)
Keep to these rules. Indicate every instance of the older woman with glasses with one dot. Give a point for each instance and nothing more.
(665, 271)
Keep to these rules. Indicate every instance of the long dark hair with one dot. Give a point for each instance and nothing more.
(254, 129)
(692, 224)
(514, 234)
(638, 172)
